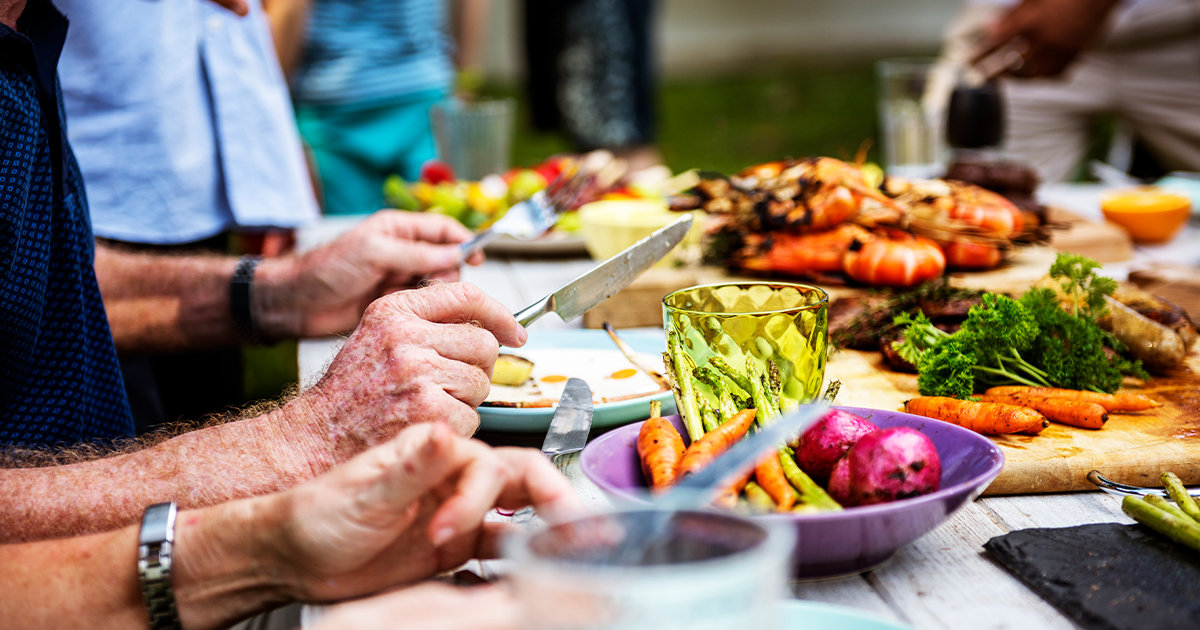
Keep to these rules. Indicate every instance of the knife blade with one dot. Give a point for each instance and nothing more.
(568, 431)
(572, 420)
(604, 280)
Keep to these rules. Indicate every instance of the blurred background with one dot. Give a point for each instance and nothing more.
(751, 81)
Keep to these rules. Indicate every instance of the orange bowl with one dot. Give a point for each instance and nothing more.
(1149, 214)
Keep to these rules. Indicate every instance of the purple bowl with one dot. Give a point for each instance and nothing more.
(835, 543)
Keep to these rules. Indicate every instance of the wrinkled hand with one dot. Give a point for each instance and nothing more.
(1045, 36)
(424, 355)
(406, 510)
(324, 291)
(431, 605)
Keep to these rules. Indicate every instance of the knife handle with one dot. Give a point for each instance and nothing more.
(531, 313)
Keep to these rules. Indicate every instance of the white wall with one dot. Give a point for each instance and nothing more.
(698, 36)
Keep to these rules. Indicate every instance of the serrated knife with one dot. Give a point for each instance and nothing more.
(604, 280)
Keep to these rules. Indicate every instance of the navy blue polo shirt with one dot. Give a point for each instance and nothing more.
(60, 380)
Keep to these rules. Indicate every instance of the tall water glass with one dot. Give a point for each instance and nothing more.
(912, 96)
(474, 137)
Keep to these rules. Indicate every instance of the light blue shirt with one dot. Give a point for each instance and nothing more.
(179, 116)
(365, 52)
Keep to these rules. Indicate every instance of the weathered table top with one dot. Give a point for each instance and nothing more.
(943, 580)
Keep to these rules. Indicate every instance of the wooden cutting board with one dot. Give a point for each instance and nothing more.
(640, 304)
(1132, 448)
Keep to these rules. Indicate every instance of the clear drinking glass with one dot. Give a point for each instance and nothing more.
(760, 323)
(707, 571)
(912, 98)
(474, 137)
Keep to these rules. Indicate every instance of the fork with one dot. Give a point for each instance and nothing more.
(534, 216)
(1121, 489)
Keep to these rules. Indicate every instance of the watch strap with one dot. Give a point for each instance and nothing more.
(155, 551)
(241, 289)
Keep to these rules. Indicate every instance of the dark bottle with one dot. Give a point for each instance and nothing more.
(975, 116)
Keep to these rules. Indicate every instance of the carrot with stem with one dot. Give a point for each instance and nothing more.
(659, 447)
(1112, 402)
(1077, 413)
(988, 418)
(711, 444)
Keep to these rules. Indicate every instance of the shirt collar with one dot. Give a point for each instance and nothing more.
(42, 28)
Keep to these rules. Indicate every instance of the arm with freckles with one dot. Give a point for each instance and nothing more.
(417, 356)
(394, 515)
(160, 302)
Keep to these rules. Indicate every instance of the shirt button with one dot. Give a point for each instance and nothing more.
(214, 23)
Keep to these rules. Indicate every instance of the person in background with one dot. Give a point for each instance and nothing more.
(590, 73)
(1069, 62)
(182, 125)
(394, 515)
(366, 76)
(419, 355)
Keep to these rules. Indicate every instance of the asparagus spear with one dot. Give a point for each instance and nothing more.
(728, 371)
(759, 500)
(1182, 530)
(810, 492)
(1180, 494)
(760, 394)
(681, 379)
(726, 405)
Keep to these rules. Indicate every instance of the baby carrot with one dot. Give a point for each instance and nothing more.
(715, 442)
(1077, 413)
(769, 474)
(659, 447)
(988, 418)
(729, 496)
(1111, 402)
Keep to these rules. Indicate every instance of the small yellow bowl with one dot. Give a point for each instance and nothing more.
(1149, 214)
(609, 226)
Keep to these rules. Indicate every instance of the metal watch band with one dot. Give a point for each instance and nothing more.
(154, 565)
(240, 290)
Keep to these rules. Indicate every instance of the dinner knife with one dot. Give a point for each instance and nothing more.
(568, 430)
(572, 420)
(604, 280)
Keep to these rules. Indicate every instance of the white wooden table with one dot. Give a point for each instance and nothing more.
(944, 579)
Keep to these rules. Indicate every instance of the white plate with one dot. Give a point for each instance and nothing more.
(584, 341)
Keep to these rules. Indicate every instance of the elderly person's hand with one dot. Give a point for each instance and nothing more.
(394, 515)
(324, 291)
(424, 355)
(1042, 37)
(428, 606)
(405, 511)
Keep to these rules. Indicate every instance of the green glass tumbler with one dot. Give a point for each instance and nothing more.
(752, 326)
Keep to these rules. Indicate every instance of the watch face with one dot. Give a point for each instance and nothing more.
(158, 524)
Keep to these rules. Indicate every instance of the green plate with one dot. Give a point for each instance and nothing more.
(797, 614)
(584, 341)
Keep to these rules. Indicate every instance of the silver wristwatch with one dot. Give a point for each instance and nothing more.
(154, 565)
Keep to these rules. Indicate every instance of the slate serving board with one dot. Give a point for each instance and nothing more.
(1106, 576)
